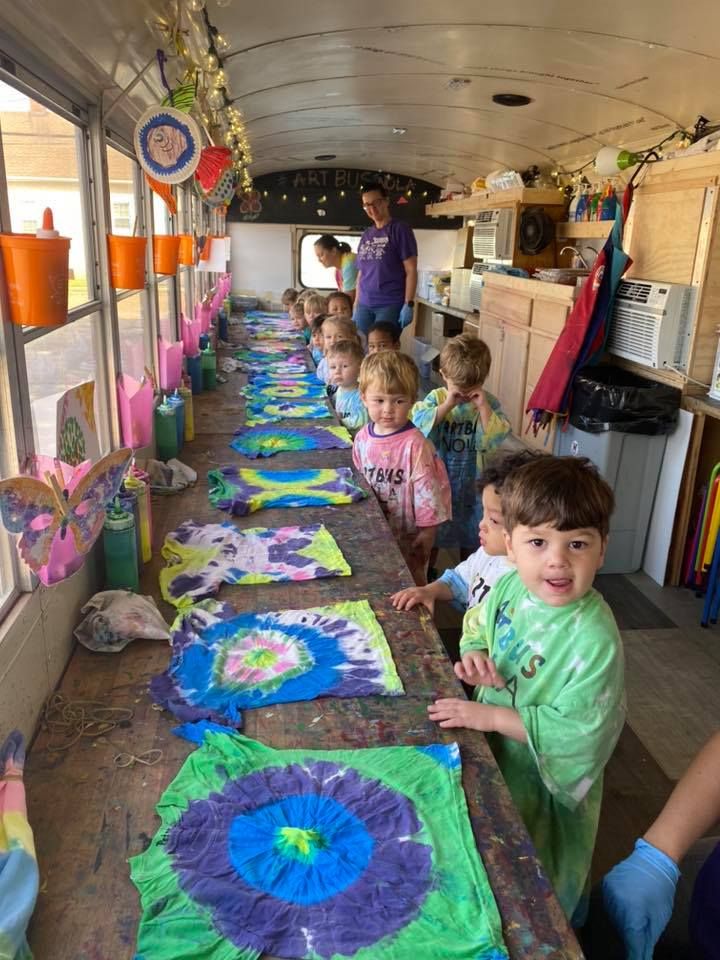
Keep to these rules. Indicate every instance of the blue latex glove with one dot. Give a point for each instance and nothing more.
(638, 895)
(406, 315)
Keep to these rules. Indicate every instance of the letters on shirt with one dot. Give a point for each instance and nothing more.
(373, 248)
(518, 650)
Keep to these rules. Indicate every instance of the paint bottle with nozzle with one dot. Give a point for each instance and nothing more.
(47, 231)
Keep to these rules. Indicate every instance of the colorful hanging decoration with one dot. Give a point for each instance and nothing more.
(19, 875)
(224, 662)
(363, 854)
(267, 441)
(244, 491)
(77, 438)
(202, 556)
(164, 191)
(265, 412)
(68, 500)
(215, 178)
(182, 97)
(167, 144)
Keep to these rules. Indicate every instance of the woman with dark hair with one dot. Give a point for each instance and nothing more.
(332, 252)
(387, 264)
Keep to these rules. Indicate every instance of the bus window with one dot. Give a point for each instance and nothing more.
(42, 153)
(311, 273)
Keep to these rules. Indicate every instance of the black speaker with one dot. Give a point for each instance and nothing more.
(537, 231)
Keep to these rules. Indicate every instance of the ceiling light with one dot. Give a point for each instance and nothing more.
(611, 160)
(326, 156)
(399, 131)
(511, 99)
(457, 83)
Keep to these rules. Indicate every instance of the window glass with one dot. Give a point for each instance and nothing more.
(131, 320)
(312, 273)
(161, 215)
(56, 362)
(166, 309)
(121, 177)
(42, 165)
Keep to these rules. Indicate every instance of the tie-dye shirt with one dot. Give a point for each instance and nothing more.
(564, 674)
(462, 444)
(350, 408)
(408, 478)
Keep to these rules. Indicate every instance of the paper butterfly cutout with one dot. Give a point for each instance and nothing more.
(72, 500)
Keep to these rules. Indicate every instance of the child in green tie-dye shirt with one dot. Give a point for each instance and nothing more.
(545, 656)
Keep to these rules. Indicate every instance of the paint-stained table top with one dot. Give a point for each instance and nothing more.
(89, 815)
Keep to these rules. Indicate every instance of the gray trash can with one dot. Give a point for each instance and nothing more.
(620, 421)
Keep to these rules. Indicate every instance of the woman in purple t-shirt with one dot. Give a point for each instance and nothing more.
(387, 265)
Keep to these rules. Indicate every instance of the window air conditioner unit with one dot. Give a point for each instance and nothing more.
(493, 235)
(651, 323)
(476, 282)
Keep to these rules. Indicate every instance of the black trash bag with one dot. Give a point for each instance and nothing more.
(609, 398)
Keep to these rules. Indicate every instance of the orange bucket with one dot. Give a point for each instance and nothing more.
(186, 250)
(127, 262)
(205, 252)
(165, 253)
(36, 274)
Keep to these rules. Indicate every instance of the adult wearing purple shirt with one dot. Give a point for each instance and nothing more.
(387, 265)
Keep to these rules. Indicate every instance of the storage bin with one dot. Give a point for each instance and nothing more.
(630, 462)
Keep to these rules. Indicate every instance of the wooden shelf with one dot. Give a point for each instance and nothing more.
(570, 229)
(490, 201)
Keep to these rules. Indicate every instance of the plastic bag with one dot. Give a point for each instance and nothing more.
(115, 617)
(609, 398)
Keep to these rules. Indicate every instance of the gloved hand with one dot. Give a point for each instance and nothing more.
(638, 894)
(406, 315)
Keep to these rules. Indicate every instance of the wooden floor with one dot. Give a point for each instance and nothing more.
(89, 816)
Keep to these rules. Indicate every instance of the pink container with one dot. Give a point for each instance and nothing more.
(203, 313)
(135, 405)
(190, 331)
(170, 356)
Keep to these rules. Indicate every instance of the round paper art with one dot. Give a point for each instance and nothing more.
(167, 144)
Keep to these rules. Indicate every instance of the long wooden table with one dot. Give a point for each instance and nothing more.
(89, 815)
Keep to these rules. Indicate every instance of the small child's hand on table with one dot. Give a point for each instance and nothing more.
(454, 712)
(411, 597)
(478, 670)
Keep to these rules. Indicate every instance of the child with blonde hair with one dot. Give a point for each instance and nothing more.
(288, 299)
(464, 422)
(400, 464)
(545, 657)
(299, 321)
(315, 305)
(344, 360)
(334, 329)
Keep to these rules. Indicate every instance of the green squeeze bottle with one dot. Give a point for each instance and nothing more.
(166, 440)
(120, 548)
(208, 362)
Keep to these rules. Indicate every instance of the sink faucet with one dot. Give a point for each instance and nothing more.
(578, 261)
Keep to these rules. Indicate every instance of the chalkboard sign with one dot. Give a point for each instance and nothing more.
(331, 195)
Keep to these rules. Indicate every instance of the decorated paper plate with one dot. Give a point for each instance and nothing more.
(167, 144)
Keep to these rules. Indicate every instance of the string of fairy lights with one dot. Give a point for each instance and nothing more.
(200, 49)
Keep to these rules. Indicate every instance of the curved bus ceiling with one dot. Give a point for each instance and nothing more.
(336, 78)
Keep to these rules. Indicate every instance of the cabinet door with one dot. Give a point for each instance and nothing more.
(513, 374)
(492, 333)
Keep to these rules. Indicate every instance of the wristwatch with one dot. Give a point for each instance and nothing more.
(410, 303)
